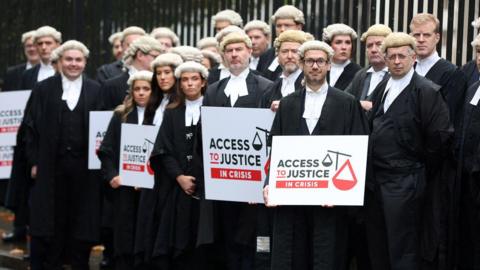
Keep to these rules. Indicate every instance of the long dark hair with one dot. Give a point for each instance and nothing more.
(156, 97)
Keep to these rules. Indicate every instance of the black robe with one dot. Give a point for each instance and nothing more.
(109, 71)
(358, 87)
(470, 70)
(265, 61)
(275, 91)
(29, 77)
(214, 75)
(124, 198)
(346, 77)
(42, 134)
(416, 148)
(341, 115)
(13, 77)
(114, 91)
(468, 255)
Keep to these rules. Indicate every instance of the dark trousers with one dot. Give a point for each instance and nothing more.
(21, 216)
(193, 259)
(63, 247)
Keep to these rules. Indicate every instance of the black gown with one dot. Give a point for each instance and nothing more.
(275, 91)
(471, 72)
(400, 189)
(13, 77)
(313, 237)
(114, 91)
(346, 77)
(109, 71)
(468, 254)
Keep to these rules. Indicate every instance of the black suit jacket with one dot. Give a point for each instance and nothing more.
(471, 72)
(13, 77)
(346, 77)
(357, 86)
(109, 71)
(275, 91)
(29, 77)
(265, 61)
(114, 91)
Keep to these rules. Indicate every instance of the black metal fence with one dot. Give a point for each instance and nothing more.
(92, 21)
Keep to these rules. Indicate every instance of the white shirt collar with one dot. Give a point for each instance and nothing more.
(273, 66)
(395, 87)
(192, 111)
(158, 118)
(140, 114)
(336, 71)
(45, 71)
(132, 70)
(237, 86)
(288, 82)
(376, 78)
(71, 91)
(371, 70)
(314, 101)
(425, 64)
(28, 65)
(253, 62)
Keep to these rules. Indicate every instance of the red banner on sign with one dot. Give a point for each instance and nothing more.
(133, 167)
(6, 163)
(302, 184)
(8, 129)
(236, 174)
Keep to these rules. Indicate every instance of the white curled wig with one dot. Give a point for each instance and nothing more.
(476, 42)
(165, 32)
(236, 37)
(191, 66)
(337, 29)
(47, 31)
(207, 42)
(132, 30)
(167, 59)
(260, 25)
(315, 45)
(115, 36)
(228, 15)
(143, 75)
(214, 58)
(72, 45)
(27, 35)
(144, 44)
(226, 31)
(188, 53)
(376, 30)
(288, 12)
(398, 39)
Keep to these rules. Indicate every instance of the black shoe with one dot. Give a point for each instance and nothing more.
(13, 237)
(106, 263)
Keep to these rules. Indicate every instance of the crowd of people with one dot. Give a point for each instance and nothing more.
(422, 191)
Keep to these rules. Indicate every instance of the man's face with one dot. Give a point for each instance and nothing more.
(219, 25)
(426, 38)
(399, 60)
(45, 45)
(477, 57)
(128, 40)
(166, 42)
(73, 63)
(342, 45)
(143, 60)
(31, 51)
(315, 66)
(288, 57)
(374, 54)
(259, 41)
(117, 49)
(237, 56)
(286, 24)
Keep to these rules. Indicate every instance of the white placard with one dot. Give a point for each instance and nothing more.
(6, 158)
(98, 127)
(235, 152)
(136, 144)
(318, 170)
(12, 109)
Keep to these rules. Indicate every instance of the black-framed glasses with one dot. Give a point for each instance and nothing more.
(320, 62)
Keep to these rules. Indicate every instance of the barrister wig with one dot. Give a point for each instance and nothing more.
(476, 23)
(143, 75)
(164, 32)
(144, 44)
(191, 66)
(297, 36)
(260, 25)
(315, 45)
(337, 29)
(27, 35)
(288, 12)
(398, 39)
(226, 31)
(167, 59)
(376, 30)
(476, 42)
(73, 45)
(132, 30)
(214, 58)
(54, 56)
(236, 37)
(188, 53)
(47, 31)
(114, 37)
(228, 15)
(207, 42)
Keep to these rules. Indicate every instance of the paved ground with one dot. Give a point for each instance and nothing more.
(11, 255)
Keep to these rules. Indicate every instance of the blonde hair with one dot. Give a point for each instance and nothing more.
(422, 18)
